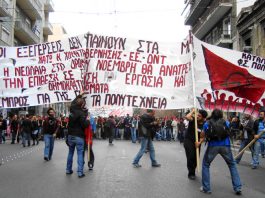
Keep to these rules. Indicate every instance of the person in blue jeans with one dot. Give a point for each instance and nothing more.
(218, 144)
(78, 122)
(50, 128)
(259, 125)
(247, 136)
(146, 128)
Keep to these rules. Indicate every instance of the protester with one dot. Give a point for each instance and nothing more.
(78, 122)
(50, 128)
(110, 127)
(127, 127)
(134, 128)
(35, 130)
(259, 125)
(26, 130)
(14, 129)
(146, 128)
(216, 131)
(89, 131)
(181, 130)
(3, 127)
(189, 141)
(247, 135)
(174, 125)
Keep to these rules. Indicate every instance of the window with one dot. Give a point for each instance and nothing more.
(227, 26)
(28, 23)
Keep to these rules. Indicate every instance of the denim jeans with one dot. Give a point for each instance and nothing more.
(49, 144)
(144, 142)
(79, 144)
(209, 156)
(133, 134)
(26, 137)
(168, 134)
(164, 134)
(257, 150)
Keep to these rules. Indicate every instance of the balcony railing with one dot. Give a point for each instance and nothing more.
(25, 33)
(215, 8)
(3, 43)
(47, 30)
(222, 36)
(33, 8)
(196, 9)
(4, 8)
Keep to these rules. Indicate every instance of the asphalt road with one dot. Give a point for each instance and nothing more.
(24, 174)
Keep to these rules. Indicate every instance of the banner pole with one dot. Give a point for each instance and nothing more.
(249, 145)
(195, 107)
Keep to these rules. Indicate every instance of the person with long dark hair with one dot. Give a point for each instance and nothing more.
(216, 131)
(78, 122)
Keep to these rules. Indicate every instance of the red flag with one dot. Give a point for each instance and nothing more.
(227, 76)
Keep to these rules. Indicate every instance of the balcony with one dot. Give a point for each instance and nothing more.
(47, 29)
(49, 6)
(24, 33)
(3, 43)
(210, 18)
(223, 39)
(5, 10)
(32, 8)
(196, 10)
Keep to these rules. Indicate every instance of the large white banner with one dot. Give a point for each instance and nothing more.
(113, 71)
(229, 80)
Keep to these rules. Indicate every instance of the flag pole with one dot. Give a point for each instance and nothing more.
(195, 107)
(249, 144)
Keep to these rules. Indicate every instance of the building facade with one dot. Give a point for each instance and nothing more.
(213, 21)
(251, 29)
(25, 22)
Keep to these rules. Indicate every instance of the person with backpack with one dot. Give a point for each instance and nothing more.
(216, 132)
(189, 141)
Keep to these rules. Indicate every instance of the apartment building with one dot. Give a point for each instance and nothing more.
(25, 22)
(251, 29)
(213, 21)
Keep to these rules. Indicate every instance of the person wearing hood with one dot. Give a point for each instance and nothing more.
(78, 122)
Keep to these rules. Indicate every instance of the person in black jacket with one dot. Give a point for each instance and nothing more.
(146, 130)
(189, 140)
(78, 121)
(247, 134)
(3, 127)
(50, 128)
(26, 128)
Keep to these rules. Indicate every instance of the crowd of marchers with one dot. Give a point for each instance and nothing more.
(218, 133)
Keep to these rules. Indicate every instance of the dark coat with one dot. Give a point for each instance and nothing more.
(77, 120)
(146, 121)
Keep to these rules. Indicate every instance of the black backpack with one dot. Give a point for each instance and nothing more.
(217, 130)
